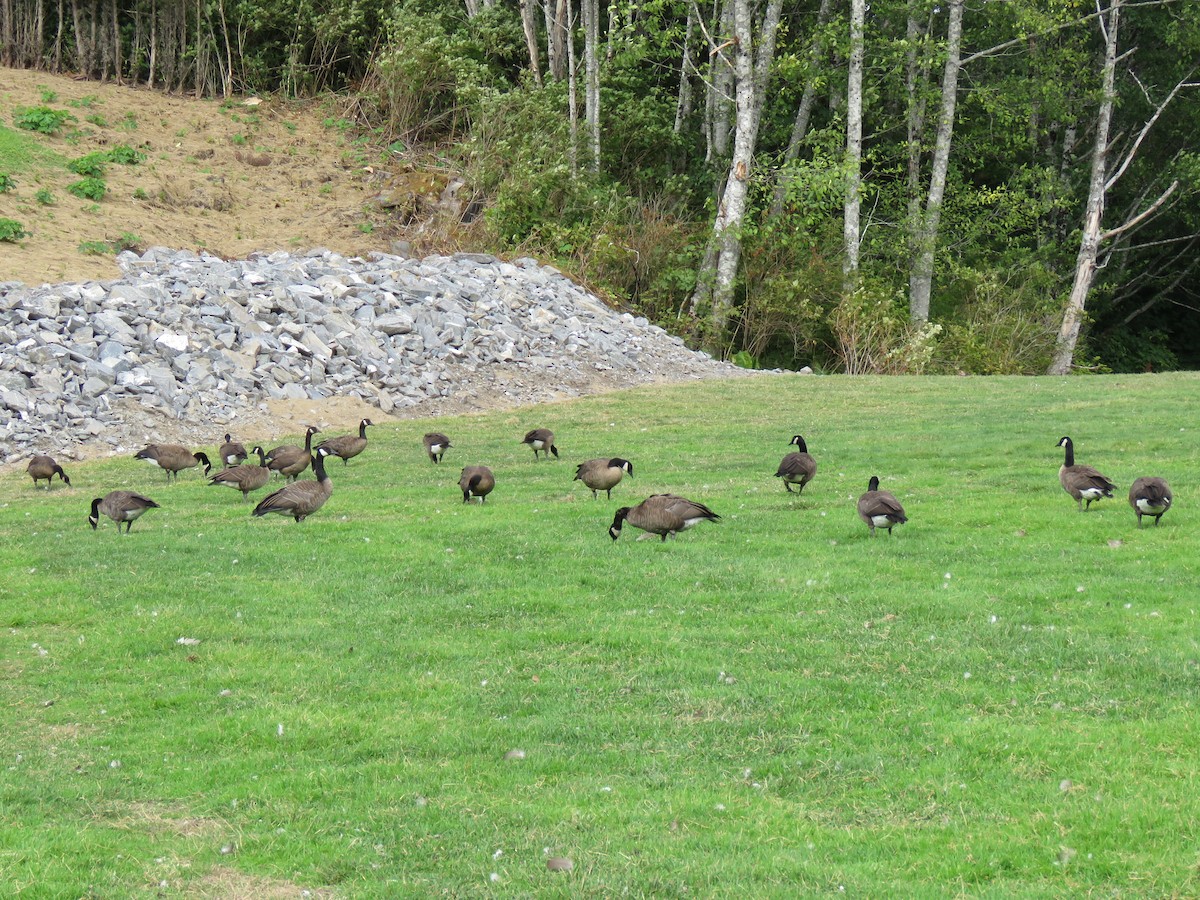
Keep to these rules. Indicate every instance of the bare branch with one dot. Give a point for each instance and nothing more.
(1132, 151)
(1143, 215)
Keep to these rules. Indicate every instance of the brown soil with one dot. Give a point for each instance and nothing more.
(231, 178)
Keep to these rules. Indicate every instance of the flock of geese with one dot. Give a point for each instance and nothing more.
(664, 515)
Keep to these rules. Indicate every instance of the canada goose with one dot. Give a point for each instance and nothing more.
(541, 439)
(435, 445)
(1150, 497)
(797, 468)
(244, 478)
(300, 499)
(45, 467)
(289, 460)
(232, 453)
(173, 458)
(1082, 482)
(880, 509)
(120, 506)
(348, 446)
(476, 481)
(662, 514)
(603, 474)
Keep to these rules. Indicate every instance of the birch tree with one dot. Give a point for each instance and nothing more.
(1093, 235)
(851, 231)
(751, 65)
(924, 238)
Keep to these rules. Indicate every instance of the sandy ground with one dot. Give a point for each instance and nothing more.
(230, 177)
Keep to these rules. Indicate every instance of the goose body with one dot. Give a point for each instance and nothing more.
(290, 461)
(436, 444)
(476, 481)
(1150, 497)
(880, 509)
(300, 499)
(798, 467)
(663, 514)
(1081, 482)
(232, 452)
(45, 467)
(244, 478)
(541, 439)
(121, 507)
(348, 446)
(173, 458)
(603, 474)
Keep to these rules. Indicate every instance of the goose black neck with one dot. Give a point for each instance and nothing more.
(1070, 449)
(362, 429)
(318, 465)
(801, 447)
(308, 442)
(873, 485)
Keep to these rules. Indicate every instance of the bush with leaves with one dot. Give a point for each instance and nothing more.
(125, 155)
(12, 231)
(875, 337)
(41, 119)
(7, 183)
(89, 189)
(93, 165)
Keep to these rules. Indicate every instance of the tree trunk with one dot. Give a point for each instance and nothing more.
(1089, 243)
(851, 233)
(751, 70)
(920, 279)
(572, 93)
(591, 49)
(683, 106)
(531, 42)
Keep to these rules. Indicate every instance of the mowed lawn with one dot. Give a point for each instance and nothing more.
(406, 696)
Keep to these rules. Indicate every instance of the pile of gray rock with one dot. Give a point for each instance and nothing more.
(199, 340)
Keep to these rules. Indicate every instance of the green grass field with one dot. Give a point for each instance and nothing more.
(1000, 699)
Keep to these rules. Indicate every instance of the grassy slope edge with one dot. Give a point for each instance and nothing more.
(1000, 698)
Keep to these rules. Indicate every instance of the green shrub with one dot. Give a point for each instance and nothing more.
(44, 197)
(90, 166)
(85, 102)
(89, 189)
(97, 119)
(41, 119)
(140, 194)
(95, 248)
(11, 231)
(125, 155)
(874, 335)
(7, 183)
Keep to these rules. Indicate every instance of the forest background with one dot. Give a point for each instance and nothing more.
(1006, 186)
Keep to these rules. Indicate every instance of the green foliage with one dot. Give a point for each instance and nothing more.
(48, 96)
(97, 119)
(874, 335)
(41, 119)
(12, 231)
(7, 183)
(126, 241)
(93, 165)
(94, 248)
(87, 101)
(89, 189)
(125, 155)
(44, 196)
(1143, 350)
(140, 194)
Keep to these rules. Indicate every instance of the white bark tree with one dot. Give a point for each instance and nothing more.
(851, 232)
(591, 49)
(751, 66)
(1100, 183)
(924, 237)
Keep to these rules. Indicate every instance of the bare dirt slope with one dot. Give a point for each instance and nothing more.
(230, 177)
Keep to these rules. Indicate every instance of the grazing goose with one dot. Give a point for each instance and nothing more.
(436, 444)
(880, 509)
(603, 474)
(348, 446)
(300, 499)
(232, 452)
(541, 439)
(45, 467)
(797, 468)
(173, 458)
(120, 506)
(1082, 482)
(244, 478)
(662, 514)
(476, 481)
(1150, 497)
(290, 461)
